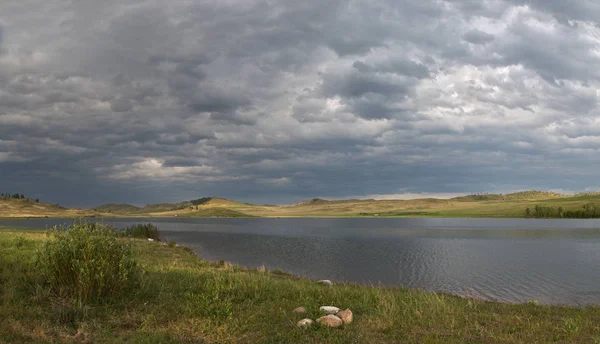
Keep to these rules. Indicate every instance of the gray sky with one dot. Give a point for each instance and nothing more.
(277, 101)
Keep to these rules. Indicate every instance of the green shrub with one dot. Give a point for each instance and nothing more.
(587, 211)
(143, 231)
(172, 243)
(201, 201)
(85, 262)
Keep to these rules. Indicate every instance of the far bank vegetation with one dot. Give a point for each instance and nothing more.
(587, 211)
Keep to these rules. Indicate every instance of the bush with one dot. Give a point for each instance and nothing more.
(201, 201)
(587, 211)
(141, 231)
(85, 262)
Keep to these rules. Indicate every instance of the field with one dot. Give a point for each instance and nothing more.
(184, 299)
(489, 206)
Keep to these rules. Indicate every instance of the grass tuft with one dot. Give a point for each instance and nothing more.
(142, 231)
(86, 263)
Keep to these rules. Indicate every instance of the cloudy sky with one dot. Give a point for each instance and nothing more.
(147, 101)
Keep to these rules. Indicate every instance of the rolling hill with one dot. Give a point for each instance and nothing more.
(25, 207)
(476, 205)
(117, 208)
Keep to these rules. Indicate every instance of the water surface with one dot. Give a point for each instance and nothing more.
(511, 260)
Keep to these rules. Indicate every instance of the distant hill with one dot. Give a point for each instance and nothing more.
(126, 209)
(163, 207)
(320, 201)
(475, 205)
(198, 207)
(26, 207)
(534, 194)
(215, 212)
(310, 202)
(117, 208)
(521, 195)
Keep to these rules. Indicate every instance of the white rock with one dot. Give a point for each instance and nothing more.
(300, 310)
(304, 323)
(329, 309)
(325, 282)
(330, 321)
(345, 315)
(150, 239)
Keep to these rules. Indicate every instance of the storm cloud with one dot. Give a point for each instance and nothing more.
(277, 101)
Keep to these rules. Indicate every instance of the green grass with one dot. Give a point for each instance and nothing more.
(141, 231)
(184, 299)
(215, 212)
(84, 263)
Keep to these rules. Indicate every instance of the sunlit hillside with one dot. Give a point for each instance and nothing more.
(476, 205)
(11, 207)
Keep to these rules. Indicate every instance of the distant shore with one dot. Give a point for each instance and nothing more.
(530, 204)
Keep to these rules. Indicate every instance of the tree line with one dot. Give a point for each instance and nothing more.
(201, 201)
(7, 196)
(587, 211)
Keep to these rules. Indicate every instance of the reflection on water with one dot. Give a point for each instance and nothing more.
(514, 260)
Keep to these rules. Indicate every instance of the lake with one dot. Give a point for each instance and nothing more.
(510, 260)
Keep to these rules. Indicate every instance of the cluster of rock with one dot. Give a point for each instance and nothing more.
(334, 317)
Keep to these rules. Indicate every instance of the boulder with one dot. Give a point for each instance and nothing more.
(345, 315)
(329, 309)
(150, 239)
(300, 310)
(325, 282)
(304, 323)
(330, 321)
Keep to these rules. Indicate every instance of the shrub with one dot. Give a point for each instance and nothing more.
(85, 262)
(141, 231)
(172, 243)
(587, 211)
(201, 201)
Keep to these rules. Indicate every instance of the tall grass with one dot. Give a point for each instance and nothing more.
(143, 231)
(86, 263)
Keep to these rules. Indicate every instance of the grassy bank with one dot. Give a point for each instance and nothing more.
(184, 299)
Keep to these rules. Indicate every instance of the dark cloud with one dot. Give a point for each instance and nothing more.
(121, 105)
(278, 101)
(476, 36)
(565, 11)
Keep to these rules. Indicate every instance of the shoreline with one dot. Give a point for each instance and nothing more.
(187, 299)
(284, 273)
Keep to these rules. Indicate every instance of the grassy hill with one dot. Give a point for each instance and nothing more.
(117, 208)
(128, 209)
(25, 207)
(477, 205)
(205, 207)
